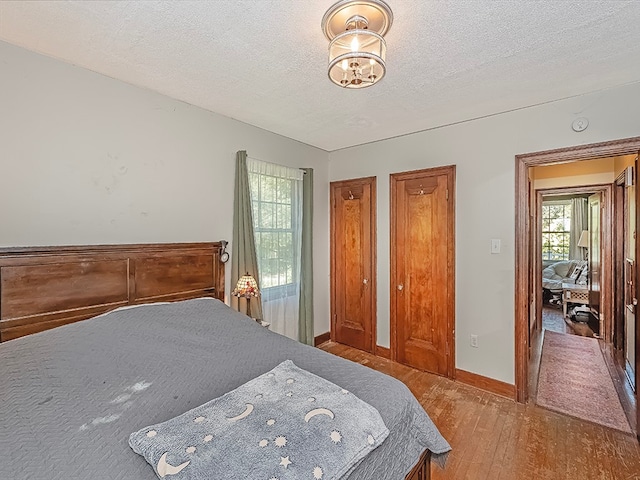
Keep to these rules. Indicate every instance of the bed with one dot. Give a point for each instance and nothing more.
(71, 395)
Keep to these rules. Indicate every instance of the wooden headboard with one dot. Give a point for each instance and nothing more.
(44, 287)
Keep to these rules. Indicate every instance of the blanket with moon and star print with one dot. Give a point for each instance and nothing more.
(285, 424)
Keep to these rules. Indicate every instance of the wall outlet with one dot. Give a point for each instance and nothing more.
(474, 341)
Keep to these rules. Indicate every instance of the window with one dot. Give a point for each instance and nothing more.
(275, 199)
(556, 224)
(273, 228)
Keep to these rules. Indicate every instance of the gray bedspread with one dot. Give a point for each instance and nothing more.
(70, 397)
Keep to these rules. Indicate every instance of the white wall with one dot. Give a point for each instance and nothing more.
(484, 151)
(85, 159)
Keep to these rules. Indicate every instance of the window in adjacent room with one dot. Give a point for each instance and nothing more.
(556, 227)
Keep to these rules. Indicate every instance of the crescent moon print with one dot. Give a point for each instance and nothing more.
(318, 411)
(246, 413)
(165, 468)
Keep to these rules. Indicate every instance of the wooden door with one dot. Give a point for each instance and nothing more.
(353, 247)
(629, 276)
(422, 269)
(595, 259)
(635, 287)
(619, 264)
(625, 271)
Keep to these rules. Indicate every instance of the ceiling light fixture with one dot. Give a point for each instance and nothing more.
(357, 50)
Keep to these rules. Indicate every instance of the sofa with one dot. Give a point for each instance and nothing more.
(554, 275)
(558, 273)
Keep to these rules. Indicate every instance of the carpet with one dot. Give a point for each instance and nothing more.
(574, 380)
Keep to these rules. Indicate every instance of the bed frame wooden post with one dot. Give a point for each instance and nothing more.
(422, 469)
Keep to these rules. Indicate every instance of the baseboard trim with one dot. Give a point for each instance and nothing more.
(383, 352)
(485, 383)
(320, 339)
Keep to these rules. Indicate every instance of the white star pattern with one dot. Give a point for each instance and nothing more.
(280, 441)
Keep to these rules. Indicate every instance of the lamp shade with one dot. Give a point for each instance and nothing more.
(246, 287)
(584, 239)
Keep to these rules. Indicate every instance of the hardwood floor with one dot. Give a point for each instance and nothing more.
(552, 319)
(496, 438)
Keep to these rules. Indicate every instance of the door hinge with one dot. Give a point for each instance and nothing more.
(447, 194)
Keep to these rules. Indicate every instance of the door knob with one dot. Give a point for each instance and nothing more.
(400, 287)
(365, 281)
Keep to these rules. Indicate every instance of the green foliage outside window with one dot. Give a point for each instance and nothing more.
(556, 225)
(272, 210)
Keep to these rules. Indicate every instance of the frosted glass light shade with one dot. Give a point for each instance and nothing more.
(357, 58)
(357, 50)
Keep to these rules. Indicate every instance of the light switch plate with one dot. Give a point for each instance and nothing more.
(495, 245)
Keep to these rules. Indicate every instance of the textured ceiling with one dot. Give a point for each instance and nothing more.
(264, 61)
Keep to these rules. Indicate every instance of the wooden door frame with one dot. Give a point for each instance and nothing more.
(613, 148)
(450, 172)
(373, 281)
(605, 266)
(618, 253)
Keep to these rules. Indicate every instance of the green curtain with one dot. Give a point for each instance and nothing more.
(243, 247)
(305, 329)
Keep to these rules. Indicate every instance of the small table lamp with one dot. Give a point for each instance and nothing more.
(246, 287)
(584, 242)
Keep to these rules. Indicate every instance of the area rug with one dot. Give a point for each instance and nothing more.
(574, 380)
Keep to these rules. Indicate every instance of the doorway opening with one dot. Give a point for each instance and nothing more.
(564, 222)
(600, 276)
